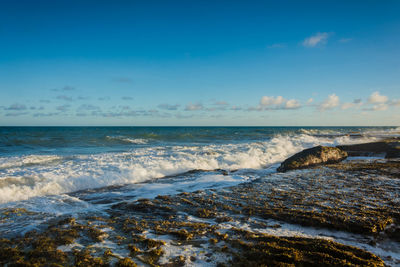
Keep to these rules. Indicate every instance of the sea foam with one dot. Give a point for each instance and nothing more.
(37, 175)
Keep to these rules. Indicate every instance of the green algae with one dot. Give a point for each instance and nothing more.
(182, 234)
(96, 234)
(83, 258)
(223, 219)
(126, 262)
(134, 250)
(206, 213)
(147, 242)
(17, 211)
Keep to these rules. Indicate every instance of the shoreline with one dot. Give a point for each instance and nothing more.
(352, 202)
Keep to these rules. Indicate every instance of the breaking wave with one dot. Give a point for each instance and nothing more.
(22, 177)
(139, 141)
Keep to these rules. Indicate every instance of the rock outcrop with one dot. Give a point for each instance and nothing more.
(389, 148)
(313, 156)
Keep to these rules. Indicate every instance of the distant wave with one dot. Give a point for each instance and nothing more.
(27, 161)
(139, 141)
(393, 132)
(377, 132)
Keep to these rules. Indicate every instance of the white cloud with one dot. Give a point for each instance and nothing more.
(292, 104)
(319, 38)
(278, 102)
(192, 107)
(272, 101)
(377, 98)
(380, 107)
(329, 103)
(309, 101)
(380, 102)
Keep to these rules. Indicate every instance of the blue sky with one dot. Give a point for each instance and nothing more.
(199, 62)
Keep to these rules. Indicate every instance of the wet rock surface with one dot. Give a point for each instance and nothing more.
(312, 157)
(354, 202)
(390, 148)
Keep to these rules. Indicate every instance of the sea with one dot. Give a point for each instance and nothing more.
(67, 170)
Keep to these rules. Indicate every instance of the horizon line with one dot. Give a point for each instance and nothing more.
(2, 126)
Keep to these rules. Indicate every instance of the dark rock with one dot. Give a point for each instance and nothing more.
(313, 156)
(393, 153)
(366, 149)
(390, 148)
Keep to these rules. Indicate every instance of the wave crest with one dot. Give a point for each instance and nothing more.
(138, 141)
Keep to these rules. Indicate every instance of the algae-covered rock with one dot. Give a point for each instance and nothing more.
(126, 262)
(312, 157)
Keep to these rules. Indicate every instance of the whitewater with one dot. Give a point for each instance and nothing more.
(37, 162)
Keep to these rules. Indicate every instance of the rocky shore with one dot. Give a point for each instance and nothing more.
(331, 212)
